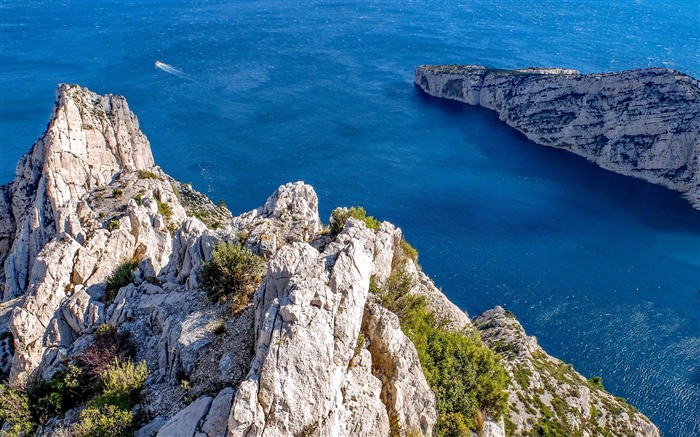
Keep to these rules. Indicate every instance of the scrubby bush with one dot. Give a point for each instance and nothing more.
(466, 376)
(233, 270)
(122, 381)
(113, 225)
(105, 421)
(597, 382)
(112, 389)
(219, 328)
(164, 209)
(409, 251)
(15, 417)
(340, 215)
(109, 344)
(145, 174)
(120, 277)
(64, 390)
(396, 297)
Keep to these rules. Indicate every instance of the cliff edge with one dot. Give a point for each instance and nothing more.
(109, 326)
(642, 123)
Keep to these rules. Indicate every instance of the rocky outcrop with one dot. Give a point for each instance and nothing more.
(548, 393)
(314, 354)
(309, 372)
(86, 198)
(90, 138)
(642, 123)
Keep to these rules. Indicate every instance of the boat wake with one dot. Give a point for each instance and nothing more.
(172, 70)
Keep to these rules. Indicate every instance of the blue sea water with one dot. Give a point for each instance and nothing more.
(603, 269)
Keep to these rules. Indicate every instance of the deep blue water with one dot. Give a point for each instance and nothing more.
(605, 270)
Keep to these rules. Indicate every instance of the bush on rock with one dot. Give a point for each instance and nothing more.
(233, 270)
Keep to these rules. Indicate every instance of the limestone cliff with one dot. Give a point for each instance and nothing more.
(548, 394)
(313, 354)
(642, 123)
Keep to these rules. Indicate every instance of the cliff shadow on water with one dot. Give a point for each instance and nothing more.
(582, 186)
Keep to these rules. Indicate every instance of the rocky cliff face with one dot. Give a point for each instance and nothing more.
(641, 123)
(548, 394)
(313, 354)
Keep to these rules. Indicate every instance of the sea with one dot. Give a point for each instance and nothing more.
(603, 269)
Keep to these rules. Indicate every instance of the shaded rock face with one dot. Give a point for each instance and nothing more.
(641, 123)
(541, 381)
(314, 354)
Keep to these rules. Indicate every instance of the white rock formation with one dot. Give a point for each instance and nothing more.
(306, 375)
(89, 140)
(66, 190)
(642, 123)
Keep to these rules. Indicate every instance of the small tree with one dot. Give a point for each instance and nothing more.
(232, 270)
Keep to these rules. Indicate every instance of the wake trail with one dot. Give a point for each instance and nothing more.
(172, 70)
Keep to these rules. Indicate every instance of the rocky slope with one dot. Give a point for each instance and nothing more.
(641, 123)
(548, 394)
(313, 354)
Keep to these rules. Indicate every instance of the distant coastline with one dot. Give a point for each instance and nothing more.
(642, 123)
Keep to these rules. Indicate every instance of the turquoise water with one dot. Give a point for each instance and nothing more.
(604, 270)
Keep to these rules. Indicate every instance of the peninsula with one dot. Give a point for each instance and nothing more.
(642, 123)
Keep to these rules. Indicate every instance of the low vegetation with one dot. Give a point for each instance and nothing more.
(164, 209)
(109, 344)
(112, 392)
(467, 378)
(113, 225)
(120, 277)
(15, 416)
(596, 382)
(146, 174)
(233, 272)
(340, 215)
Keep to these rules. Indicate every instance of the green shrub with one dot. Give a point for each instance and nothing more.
(176, 190)
(138, 198)
(360, 344)
(451, 425)
(340, 215)
(145, 174)
(409, 251)
(105, 421)
(109, 413)
(65, 390)
(117, 192)
(113, 225)
(546, 426)
(164, 209)
(465, 375)
(396, 297)
(219, 328)
(233, 270)
(120, 277)
(597, 382)
(122, 381)
(14, 410)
